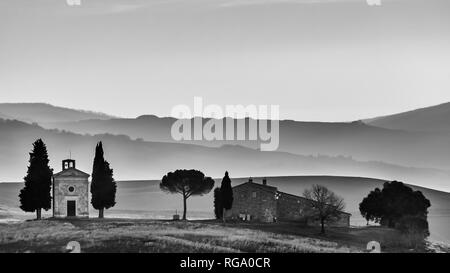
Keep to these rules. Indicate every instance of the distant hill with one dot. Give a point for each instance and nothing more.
(44, 113)
(133, 159)
(3, 116)
(353, 139)
(429, 119)
(147, 127)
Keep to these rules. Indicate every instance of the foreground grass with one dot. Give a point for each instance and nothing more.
(153, 236)
(126, 235)
(391, 240)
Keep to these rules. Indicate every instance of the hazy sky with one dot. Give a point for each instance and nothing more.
(319, 60)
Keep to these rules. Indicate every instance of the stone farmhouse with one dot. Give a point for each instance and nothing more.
(264, 203)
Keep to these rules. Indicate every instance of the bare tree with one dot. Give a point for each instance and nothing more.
(324, 204)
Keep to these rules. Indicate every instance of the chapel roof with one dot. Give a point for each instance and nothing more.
(71, 172)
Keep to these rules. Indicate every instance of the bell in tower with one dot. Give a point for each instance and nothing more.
(68, 164)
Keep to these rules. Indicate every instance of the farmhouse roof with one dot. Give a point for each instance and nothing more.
(259, 186)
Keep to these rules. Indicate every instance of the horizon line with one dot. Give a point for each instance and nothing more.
(112, 116)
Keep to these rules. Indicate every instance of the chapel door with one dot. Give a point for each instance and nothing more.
(71, 208)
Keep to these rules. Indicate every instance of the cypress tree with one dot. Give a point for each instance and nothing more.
(218, 209)
(103, 186)
(35, 196)
(226, 194)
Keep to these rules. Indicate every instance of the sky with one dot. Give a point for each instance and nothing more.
(319, 60)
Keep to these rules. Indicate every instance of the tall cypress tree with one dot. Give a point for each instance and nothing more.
(103, 186)
(35, 196)
(218, 209)
(226, 194)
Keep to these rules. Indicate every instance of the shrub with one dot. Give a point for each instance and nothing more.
(414, 229)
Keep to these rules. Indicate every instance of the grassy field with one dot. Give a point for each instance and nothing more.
(125, 235)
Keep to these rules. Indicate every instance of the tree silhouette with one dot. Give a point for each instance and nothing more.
(370, 206)
(218, 208)
(186, 183)
(103, 186)
(324, 204)
(35, 196)
(226, 193)
(395, 201)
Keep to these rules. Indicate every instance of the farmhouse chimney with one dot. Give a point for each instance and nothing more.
(264, 182)
(250, 179)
